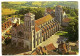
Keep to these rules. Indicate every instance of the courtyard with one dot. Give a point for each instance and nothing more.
(55, 39)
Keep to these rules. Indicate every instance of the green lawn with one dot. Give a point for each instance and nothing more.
(61, 33)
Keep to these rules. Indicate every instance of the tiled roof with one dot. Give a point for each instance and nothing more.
(66, 19)
(37, 28)
(43, 49)
(39, 47)
(8, 31)
(50, 47)
(34, 53)
(72, 53)
(49, 10)
(63, 46)
(7, 22)
(43, 19)
(3, 38)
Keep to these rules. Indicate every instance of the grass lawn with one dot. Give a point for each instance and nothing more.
(61, 33)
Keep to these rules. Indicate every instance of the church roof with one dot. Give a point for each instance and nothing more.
(43, 19)
(50, 47)
(36, 28)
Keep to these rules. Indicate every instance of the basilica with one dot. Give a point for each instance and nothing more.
(33, 32)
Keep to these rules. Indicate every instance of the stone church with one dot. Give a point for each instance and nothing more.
(33, 32)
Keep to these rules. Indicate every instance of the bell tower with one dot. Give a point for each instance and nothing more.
(29, 30)
(58, 13)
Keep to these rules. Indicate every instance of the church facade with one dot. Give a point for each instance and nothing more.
(33, 32)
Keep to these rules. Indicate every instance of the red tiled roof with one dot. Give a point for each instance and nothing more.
(72, 53)
(37, 28)
(8, 31)
(34, 53)
(66, 19)
(3, 38)
(49, 10)
(7, 22)
(43, 49)
(43, 19)
(39, 47)
(63, 46)
(50, 47)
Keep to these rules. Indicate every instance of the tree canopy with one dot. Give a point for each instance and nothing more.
(72, 30)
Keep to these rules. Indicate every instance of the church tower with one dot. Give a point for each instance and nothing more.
(58, 13)
(29, 29)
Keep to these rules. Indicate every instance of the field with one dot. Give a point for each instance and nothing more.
(37, 3)
(8, 11)
(17, 2)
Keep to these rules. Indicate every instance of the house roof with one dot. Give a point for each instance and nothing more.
(49, 10)
(66, 19)
(43, 19)
(63, 46)
(50, 47)
(34, 53)
(43, 49)
(72, 53)
(6, 22)
(39, 47)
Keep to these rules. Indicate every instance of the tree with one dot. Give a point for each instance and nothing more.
(72, 30)
(3, 19)
(76, 17)
(73, 13)
(39, 12)
(76, 11)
